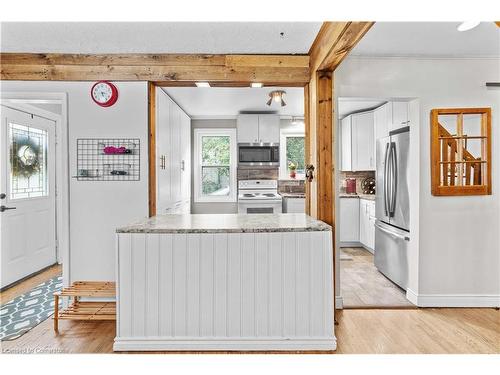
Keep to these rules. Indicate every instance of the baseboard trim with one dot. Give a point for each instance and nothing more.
(339, 303)
(453, 300)
(224, 344)
(412, 296)
(350, 244)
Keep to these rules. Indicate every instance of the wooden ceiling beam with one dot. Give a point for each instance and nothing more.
(334, 42)
(268, 69)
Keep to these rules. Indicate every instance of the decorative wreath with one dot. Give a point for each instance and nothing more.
(25, 156)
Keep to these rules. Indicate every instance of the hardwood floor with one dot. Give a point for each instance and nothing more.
(363, 286)
(359, 331)
(28, 284)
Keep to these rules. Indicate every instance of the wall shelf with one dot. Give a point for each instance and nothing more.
(93, 164)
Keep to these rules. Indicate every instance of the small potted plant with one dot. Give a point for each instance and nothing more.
(292, 167)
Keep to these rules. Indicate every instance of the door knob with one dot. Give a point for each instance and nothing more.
(3, 196)
(4, 208)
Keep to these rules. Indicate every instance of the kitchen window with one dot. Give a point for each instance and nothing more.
(292, 152)
(215, 165)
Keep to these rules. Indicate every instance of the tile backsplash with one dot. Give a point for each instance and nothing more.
(258, 174)
(359, 176)
(291, 186)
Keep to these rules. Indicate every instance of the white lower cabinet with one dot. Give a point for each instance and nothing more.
(224, 291)
(357, 222)
(349, 219)
(367, 223)
(294, 205)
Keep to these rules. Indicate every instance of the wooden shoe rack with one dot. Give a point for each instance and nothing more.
(86, 310)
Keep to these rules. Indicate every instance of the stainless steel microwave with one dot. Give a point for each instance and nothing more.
(258, 155)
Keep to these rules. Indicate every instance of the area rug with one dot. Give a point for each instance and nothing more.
(26, 311)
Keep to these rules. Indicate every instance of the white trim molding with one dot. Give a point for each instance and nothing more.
(453, 300)
(339, 302)
(214, 132)
(224, 343)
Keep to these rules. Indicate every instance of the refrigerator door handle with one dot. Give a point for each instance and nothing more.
(386, 177)
(394, 180)
(391, 233)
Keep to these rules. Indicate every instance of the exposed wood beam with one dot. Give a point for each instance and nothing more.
(268, 69)
(334, 42)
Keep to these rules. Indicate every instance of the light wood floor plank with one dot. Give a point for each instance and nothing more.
(361, 331)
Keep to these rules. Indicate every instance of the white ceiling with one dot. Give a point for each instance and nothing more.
(159, 37)
(348, 106)
(429, 39)
(222, 102)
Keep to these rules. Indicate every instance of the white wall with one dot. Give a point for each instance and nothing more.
(459, 250)
(97, 208)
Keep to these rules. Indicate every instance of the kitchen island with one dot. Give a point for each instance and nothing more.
(225, 282)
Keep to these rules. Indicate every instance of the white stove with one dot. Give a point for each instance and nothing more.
(259, 197)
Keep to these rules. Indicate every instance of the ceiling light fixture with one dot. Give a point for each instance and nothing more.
(277, 96)
(202, 84)
(468, 25)
(256, 84)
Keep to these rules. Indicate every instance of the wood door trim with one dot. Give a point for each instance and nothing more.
(152, 148)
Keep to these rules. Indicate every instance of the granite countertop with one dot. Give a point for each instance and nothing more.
(227, 223)
(370, 197)
(293, 195)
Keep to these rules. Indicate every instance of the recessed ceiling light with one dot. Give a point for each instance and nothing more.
(468, 25)
(202, 84)
(256, 84)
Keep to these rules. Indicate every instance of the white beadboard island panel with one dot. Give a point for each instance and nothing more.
(225, 291)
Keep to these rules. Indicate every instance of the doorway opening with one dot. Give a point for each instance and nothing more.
(374, 202)
(208, 145)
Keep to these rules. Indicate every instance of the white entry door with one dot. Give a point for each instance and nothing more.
(27, 187)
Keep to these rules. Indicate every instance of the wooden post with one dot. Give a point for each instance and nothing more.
(152, 147)
(56, 312)
(324, 146)
(307, 146)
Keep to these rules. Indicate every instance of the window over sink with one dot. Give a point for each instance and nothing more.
(215, 165)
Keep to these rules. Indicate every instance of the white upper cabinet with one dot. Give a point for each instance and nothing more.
(363, 142)
(382, 117)
(358, 142)
(269, 128)
(263, 128)
(248, 128)
(346, 144)
(400, 117)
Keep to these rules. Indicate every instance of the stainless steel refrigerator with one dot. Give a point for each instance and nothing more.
(392, 206)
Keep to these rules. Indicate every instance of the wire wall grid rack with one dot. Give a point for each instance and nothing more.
(108, 159)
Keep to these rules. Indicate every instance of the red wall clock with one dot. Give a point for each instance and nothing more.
(104, 93)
